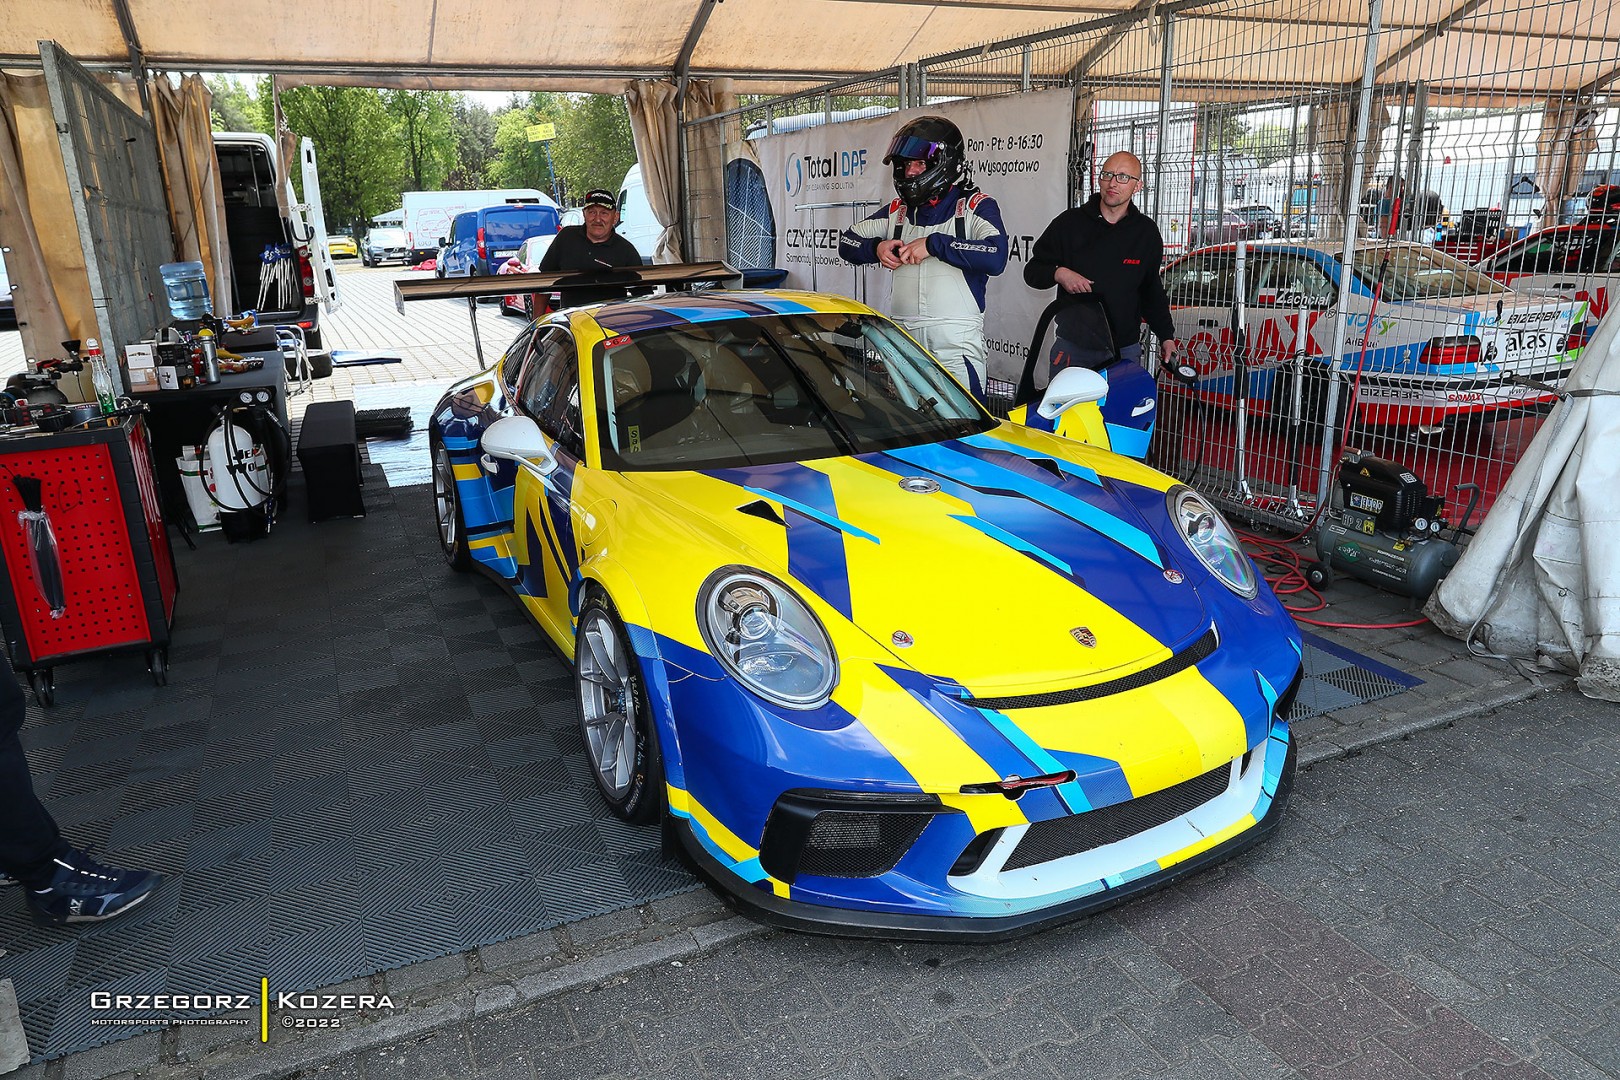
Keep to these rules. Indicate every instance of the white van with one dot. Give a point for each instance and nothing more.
(636, 221)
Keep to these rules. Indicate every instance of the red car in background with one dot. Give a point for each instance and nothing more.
(527, 261)
(1578, 262)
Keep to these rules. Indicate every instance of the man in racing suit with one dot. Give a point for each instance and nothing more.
(943, 239)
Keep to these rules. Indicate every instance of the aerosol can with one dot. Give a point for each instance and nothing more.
(1384, 528)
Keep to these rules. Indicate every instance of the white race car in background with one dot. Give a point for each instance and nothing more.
(1443, 340)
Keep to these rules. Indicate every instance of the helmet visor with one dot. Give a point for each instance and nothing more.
(911, 148)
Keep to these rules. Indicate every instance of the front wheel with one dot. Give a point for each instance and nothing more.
(447, 510)
(614, 718)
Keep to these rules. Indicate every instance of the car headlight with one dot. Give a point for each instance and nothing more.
(765, 636)
(1210, 538)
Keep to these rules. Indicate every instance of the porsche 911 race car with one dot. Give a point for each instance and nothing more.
(881, 663)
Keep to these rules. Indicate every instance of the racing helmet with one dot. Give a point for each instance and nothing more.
(935, 141)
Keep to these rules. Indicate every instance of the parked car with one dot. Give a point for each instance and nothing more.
(1442, 343)
(383, 244)
(1212, 227)
(1261, 219)
(738, 513)
(341, 245)
(481, 240)
(527, 261)
(1579, 262)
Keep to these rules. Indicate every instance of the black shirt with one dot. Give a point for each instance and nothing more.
(573, 250)
(1121, 259)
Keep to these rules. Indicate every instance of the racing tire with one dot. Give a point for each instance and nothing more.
(528, 306)
(447, 516)
(1312, 403)
(615, 721)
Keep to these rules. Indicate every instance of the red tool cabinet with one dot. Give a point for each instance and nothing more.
(117, 585)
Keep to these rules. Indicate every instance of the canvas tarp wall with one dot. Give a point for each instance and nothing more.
(1541, 579)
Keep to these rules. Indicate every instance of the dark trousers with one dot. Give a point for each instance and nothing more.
(29, 839)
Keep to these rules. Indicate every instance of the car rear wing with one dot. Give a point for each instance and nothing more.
(671, 275)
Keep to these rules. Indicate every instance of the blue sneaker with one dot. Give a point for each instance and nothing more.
(84, 890)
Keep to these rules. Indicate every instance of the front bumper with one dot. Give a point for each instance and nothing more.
(1004, 883)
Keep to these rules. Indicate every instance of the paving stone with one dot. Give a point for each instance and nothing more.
(437, 1053)
(427, 973)
(139, 1052)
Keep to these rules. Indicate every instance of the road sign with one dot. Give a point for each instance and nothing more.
(542, 132)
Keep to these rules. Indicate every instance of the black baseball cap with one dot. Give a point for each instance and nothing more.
(600, 197)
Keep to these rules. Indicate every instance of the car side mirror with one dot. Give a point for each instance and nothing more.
(1071, 387)
(444, 241)
(517, 438)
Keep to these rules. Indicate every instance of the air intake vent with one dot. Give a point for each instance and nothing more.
(1044, 841)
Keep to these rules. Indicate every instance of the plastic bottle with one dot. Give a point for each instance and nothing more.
(101, 376)
(186, 284)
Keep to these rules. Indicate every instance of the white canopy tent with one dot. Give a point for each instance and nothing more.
(1562, 48)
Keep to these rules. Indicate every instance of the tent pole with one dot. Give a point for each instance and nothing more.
(1351, 211)
(1165, 57)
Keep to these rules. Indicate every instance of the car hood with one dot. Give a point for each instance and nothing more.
(1011, 561)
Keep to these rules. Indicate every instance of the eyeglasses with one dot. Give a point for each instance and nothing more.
(1117, 177)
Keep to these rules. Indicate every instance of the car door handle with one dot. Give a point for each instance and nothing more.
(1566, 284)
(1209, 322)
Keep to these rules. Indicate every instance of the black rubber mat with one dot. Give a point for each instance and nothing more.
(361, 760)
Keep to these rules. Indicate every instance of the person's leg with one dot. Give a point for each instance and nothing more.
(64, 884)
(29, 838)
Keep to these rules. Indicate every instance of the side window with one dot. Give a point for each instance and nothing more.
(1535, 257)
(1206, 280)
(1288, 281)
(1595, 247)
(550, 391)
(514, 360)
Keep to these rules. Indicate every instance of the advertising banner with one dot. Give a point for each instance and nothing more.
(823, 179)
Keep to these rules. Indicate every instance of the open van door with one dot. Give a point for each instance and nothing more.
(309, 220)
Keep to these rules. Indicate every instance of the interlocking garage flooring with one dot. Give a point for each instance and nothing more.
(361, 760)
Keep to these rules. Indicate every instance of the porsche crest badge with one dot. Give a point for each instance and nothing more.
(1084, 636)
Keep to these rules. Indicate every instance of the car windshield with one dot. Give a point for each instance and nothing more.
(1417, 274)
(387, 236)
(757, 391)
(515, 224)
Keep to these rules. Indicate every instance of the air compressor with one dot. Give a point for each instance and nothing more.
(1383, 527)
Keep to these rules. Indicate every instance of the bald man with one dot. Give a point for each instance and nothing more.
(1108, 247)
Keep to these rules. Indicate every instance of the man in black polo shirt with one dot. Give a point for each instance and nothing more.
(593, 246)
(1108, 247)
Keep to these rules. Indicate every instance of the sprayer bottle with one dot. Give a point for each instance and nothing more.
(208, 347)
(101, 377)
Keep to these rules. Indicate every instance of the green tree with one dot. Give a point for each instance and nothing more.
(356, 147)
(234, 107)
(1268, 143)
(517, 161)
(425, 135)
(473, 130)
(594, 146)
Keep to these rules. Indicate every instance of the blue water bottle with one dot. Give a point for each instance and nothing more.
(187, 286)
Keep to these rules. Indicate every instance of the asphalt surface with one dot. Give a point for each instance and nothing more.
(1442, 905)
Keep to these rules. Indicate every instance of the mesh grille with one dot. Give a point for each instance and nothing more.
(1146, 677)
(1044, 841)
(846, 844)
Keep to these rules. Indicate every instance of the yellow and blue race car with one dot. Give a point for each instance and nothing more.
(880, 662)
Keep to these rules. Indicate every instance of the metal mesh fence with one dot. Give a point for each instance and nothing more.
(1387, 225)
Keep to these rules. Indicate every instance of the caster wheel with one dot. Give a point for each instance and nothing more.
(157, 662)
(43, 683)
(1319, 575)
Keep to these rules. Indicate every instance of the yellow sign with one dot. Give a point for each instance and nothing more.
(542, 132)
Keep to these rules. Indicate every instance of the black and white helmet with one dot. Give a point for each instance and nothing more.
(935, 141)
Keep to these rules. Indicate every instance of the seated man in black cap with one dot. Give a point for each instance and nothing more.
(593, 246)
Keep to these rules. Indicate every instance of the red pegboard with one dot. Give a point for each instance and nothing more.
(104, 604)
(157, 531)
